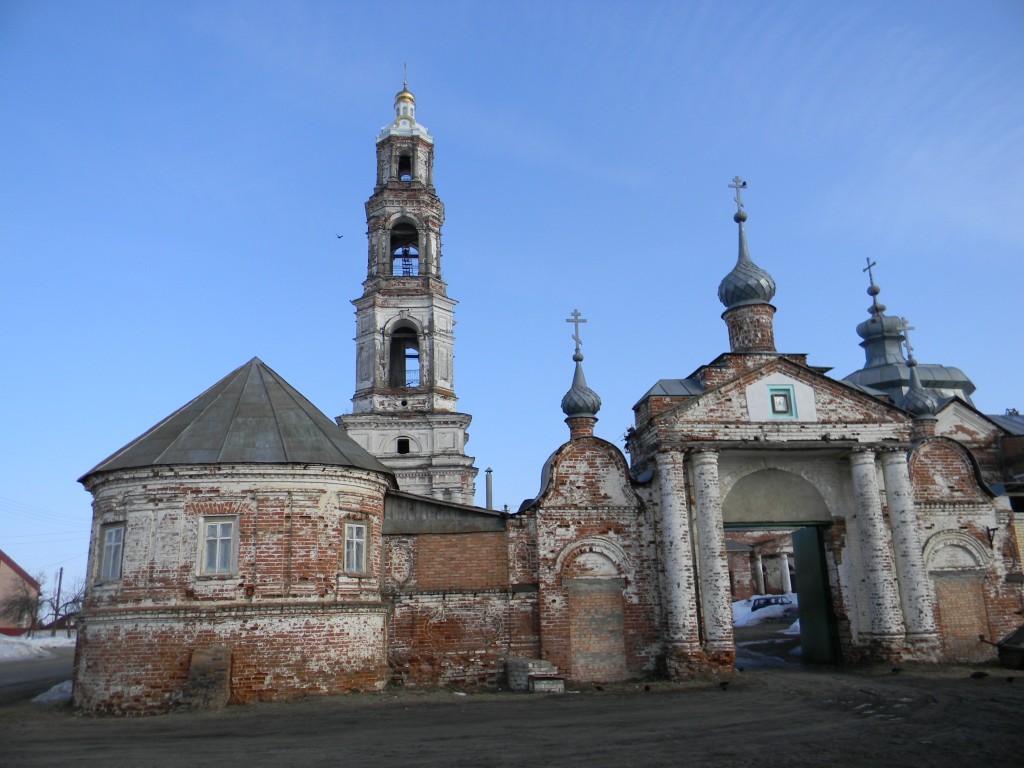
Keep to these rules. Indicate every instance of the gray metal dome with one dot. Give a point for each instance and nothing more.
(580, 400)
(747, 283)
(918, 400)
(888, 371)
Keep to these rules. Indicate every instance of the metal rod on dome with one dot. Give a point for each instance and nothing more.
(490, 489)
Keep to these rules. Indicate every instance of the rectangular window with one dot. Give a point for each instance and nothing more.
(113, 549)
(355, 548)
(782, 402)
(218, 546)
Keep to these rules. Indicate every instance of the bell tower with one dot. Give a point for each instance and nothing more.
(404, 407)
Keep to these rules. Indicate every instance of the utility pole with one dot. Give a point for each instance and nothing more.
(56, 603)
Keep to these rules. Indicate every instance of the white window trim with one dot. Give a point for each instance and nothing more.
(106, 572)
(219, 570)
(360, 546)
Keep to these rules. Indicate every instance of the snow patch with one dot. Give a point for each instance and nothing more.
(743, 616)
(22, 648)
(19, 650)
(59, 694)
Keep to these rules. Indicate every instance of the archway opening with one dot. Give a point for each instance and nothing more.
(777, 527)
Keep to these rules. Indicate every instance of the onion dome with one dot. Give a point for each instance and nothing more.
(747, 283)
(405, 95)
(918, 400)
(580, 400)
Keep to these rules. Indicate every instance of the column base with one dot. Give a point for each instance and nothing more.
(923, 646)
(882, 648)
(684, 663)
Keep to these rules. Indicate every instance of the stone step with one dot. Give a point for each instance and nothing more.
(519, 670)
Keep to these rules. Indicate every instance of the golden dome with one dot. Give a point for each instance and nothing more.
(405, 94)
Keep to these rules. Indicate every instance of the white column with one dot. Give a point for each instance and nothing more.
(914, 587)
(787, 583)
(759, 574)
(677, 559)
(713, 564)
(884, 604)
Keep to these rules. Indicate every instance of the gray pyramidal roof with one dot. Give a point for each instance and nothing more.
(251, 416)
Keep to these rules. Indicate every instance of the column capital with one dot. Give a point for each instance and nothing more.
(893, 453)
(703, 454)
(862, 454)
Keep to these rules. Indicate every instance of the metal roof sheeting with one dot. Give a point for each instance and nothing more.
(673, 388)
(251, 416)
(1014, 424)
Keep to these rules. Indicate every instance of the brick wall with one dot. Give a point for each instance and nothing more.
(475, 561)
(460, 639)
(960, 606)
(751, 328)
(456, 615)
(138, 663)
(596, 629)
(292, 618)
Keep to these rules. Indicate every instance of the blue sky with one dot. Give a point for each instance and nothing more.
(174, 175)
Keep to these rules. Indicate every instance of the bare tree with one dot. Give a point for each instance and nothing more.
(24, 605)
(63, 603)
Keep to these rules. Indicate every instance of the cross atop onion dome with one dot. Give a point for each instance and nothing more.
(580, 400)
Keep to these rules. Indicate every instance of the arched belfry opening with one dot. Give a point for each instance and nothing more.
(405, 166)
(405, 253)
(404, 357)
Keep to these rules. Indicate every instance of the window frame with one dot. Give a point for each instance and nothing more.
(218, 572)
(782, 391)
(105, 572)
(356, 565)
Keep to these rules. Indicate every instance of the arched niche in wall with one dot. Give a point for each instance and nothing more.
(955, 551)
(592, 558)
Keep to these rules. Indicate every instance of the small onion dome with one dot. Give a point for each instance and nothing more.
(747, 283)
(918, 400)
(580, 400)
(405, 95)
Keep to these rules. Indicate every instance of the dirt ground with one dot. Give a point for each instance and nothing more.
(918, 716)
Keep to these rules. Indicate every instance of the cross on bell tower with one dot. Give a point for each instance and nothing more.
(404, 407)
